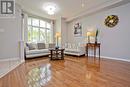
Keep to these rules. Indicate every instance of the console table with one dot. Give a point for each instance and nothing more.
(56, 54)
(94, 46)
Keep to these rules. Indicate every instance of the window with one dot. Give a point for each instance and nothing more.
(39, 30)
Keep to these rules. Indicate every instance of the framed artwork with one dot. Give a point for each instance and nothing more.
(77, 30)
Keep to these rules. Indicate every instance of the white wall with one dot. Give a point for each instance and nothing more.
(63, 31)
(10, 36)
(61, 26)
(114, 41)
(25, 26)
(58, 24)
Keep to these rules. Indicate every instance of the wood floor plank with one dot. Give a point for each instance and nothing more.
(71, 72)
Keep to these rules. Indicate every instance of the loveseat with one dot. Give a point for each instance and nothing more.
(76, 49)
(37, 49)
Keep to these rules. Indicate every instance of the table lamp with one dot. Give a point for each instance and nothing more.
(57, 35)
(90, 34)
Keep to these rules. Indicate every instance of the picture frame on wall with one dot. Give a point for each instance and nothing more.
(77, 30)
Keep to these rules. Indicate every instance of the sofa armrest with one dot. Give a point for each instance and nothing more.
(81, 49)
(27, 48)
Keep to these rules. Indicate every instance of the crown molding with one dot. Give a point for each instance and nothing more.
(103, 7)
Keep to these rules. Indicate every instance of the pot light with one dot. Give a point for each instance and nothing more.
(50, 8)
(82, 3)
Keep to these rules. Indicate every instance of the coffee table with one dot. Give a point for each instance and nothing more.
(56, 54)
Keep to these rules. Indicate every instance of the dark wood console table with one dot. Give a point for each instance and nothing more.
(56, 54)
(94, 46)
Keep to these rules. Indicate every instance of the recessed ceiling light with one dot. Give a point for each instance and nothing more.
(82, 3)
(50, 8)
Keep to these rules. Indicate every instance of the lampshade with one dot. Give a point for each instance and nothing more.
(57, 34)
(91, 33)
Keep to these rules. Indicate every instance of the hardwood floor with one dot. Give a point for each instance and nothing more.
(71, 72)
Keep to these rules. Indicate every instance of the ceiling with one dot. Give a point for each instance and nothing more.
(69, 9)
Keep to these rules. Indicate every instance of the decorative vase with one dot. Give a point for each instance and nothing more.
(96, 36)
(95, 40)
(57, 47)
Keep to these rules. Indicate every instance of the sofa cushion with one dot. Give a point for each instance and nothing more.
(66, 45)
(41, 45)
(51, 45)
(71, 50)
(69, 45)
(74, 46)
(37, 51)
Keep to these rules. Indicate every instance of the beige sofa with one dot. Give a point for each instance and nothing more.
(76, 49)
(37, 49)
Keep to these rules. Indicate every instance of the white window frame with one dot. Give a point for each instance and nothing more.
(32, 26)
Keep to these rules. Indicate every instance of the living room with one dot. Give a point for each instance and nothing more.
(46, 43)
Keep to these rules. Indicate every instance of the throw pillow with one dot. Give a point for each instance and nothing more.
(41, 45)
(51, 45)
(31, 46)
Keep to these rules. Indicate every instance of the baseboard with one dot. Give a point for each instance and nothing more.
(8, 59)
(11, 68)
(113, 58)
(105, 57)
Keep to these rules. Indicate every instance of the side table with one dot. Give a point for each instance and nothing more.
(94, 46)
